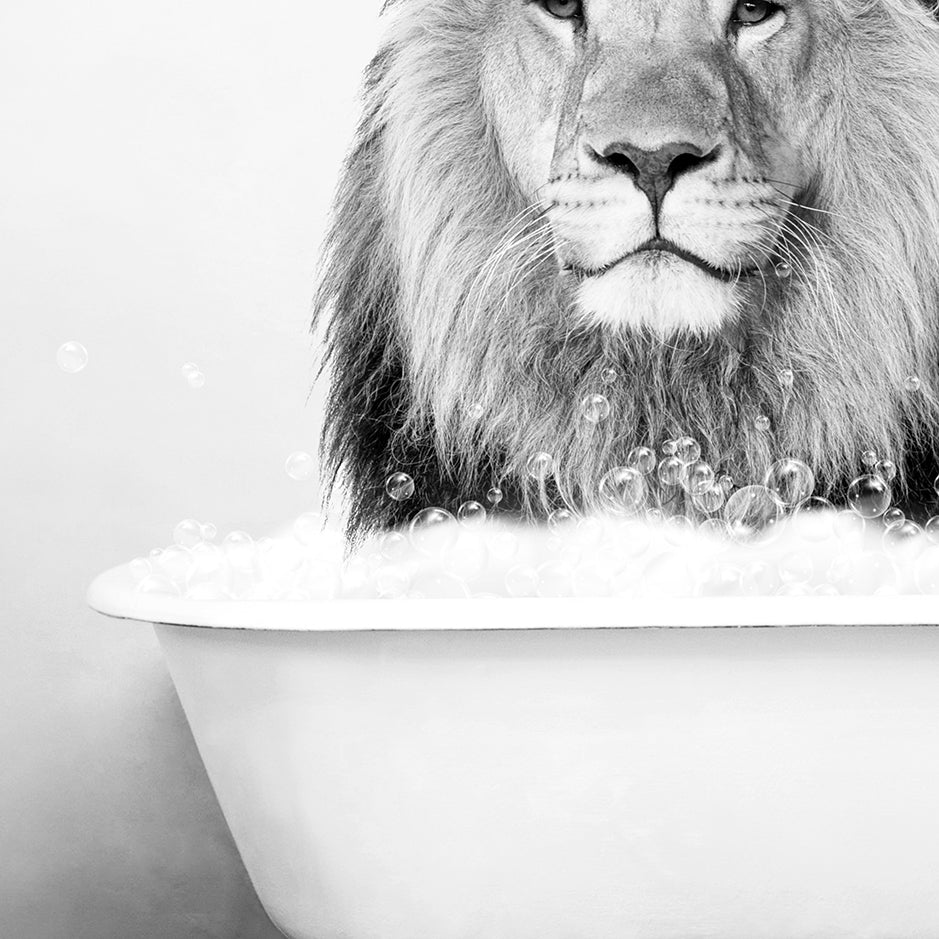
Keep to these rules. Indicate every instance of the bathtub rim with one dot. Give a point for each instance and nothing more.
(113, 594)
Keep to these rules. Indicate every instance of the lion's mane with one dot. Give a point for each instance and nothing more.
(455, 355)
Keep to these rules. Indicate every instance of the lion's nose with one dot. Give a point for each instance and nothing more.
(655, 171)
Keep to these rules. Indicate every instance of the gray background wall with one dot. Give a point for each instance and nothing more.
(165, 172)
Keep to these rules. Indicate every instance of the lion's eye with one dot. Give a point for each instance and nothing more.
(752, 12)
(564, 9)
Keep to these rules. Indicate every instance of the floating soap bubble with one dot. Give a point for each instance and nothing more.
(307, 527)
(726, 483)
(609, 375)
(240, 550)
(711, 500)
(687, 449)
(521, 581)
(935, 485)
(762, 423)
(894, 517)
(814, 518)
(783, 270)
(932, 529)
(622, 490)
(71, 357)
(208, 562)
(595, 408)
(176, 562)
(713, 528)
(669, 471)
(791, 481)
(433, 530)
(561, 518)
(187, 533)
(392, 582)
(209, 531)
(195, 380)
(869, 459)
(139, 568)
(540, 465)
(912, 383)
(750, 512)
(670, 448)
(471, 513)
(478, 410)
(158, 584)
(787, 378)
(300, 465)
(696, 477)
(869, 496)
(886, 469)
(905, 536)
(494, 496)
(642, 459)
(393, 546)
(399, 487)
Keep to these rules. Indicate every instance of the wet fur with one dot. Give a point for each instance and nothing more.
(454, 350)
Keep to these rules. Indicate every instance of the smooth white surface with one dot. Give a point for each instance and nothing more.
(114, 594)
(576, 784)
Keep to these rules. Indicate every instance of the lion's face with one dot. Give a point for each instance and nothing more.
(665, 139)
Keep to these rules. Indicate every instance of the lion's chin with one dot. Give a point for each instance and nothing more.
(668, 297)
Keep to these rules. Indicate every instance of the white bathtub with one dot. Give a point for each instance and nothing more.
(549, 769)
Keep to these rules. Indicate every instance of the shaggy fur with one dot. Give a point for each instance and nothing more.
(454, 349)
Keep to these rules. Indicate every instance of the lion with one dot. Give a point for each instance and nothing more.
(723, 217)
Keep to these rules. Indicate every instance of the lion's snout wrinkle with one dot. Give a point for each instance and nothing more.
(654, 171)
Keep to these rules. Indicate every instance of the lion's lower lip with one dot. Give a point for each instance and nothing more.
(660, 247)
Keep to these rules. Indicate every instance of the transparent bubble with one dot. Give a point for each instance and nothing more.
(935, 485)
(209, 532)
(433, 530)
(932, 529)
(394, 546)
(240, 550)
(195, 380)
(71, 357)
(696, 477)
(791, 481)
(175, 562)
(622, 490)
(713, 528)
(187, 533)
(399, 487)
(869, 458)
(912, 383)
(494, 496)
(711, 500)
(158, 584)
(783, 270)
(472, 513)
(669, 471)
(678, 530)
(869, 496)
(750, 511)
(595, 408)
(521, 581)
(139, 568)
(300, 465)
(796, 568)
(208, 561)
(478, 410)
(392, 582)
(642, 459)
(687, 449)
(786, 378)
(609, 376)
(307, 527)
(926, 571)
(886, 469)
(762, 423)
(726, 483)
(540, 465)
(814, 518)
(906, 536)
(894, 517)
(670, 448)
(561, 518)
